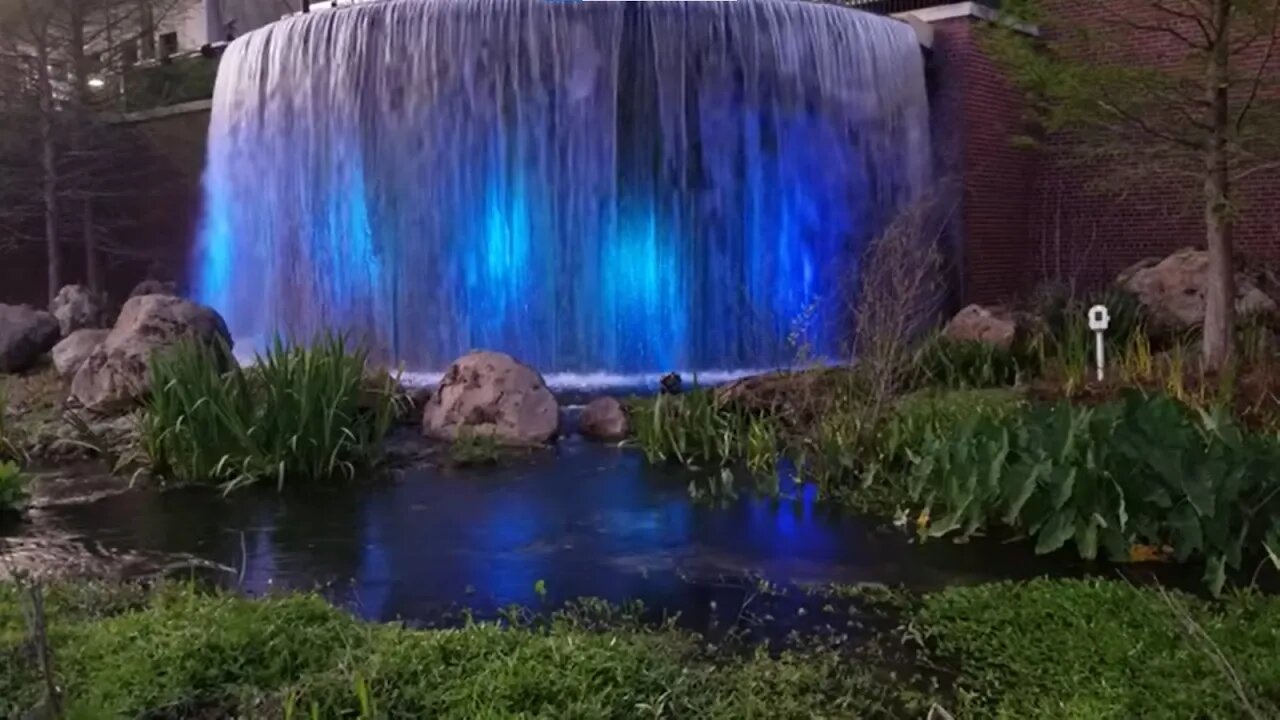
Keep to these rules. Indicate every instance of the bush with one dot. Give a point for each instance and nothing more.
(696, 429)
(1104, 650)
(943, 363)
(1143, 470)
(299, 414)
(13, 488)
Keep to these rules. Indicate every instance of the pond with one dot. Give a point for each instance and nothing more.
(580, 520)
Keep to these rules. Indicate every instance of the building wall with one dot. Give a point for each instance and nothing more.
(975, 115)
(1085, 231)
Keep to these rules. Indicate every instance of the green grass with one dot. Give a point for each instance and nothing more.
(306, 415)
(179, 653)
(1102, 649)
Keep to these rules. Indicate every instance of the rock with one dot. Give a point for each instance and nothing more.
(671, 384)
(154, 287)
(116, 375)
(490, 393)
(76, 307)
(74, 349)
(994, 326)
(1172, 290)
(604, 419)
(26, 334)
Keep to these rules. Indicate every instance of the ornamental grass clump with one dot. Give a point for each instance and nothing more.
(299, 414)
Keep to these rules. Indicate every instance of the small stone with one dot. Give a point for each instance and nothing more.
(604, 419)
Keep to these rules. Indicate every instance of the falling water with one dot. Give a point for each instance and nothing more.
(628, 187)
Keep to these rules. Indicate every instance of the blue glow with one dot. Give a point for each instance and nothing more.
(663, 186)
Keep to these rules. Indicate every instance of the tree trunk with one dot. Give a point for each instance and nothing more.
(1220, 291)
(77, 17)
(48, 162)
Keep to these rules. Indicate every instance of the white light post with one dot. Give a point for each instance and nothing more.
(1099, 318)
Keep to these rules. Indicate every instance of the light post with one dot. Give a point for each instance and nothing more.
(1099, 318)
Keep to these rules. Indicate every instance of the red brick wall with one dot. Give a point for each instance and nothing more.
(1086, 231)
(976, 113)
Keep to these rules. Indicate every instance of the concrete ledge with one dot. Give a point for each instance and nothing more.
(160, 112)
(974, 10)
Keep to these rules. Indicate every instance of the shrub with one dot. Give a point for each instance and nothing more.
(1143, 470)
(309, 414)
(695, 428)
(13, 487)
(10, 446)
(471, 448)
(942, 363)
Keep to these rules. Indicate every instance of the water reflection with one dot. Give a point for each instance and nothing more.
(586, 520)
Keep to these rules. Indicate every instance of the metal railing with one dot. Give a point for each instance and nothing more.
(890, 7)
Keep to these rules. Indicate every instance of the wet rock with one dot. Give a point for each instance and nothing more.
(490, 393)
(74, 349)
(116, 374)
(26, 334)
(671, 384)
(604, 419)
(1172, 289)
(154, 287)
(996, 326)
(76, 307)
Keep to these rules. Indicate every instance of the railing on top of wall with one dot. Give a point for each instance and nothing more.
(890, 7)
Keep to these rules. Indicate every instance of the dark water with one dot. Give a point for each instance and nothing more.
(622, 187)
(586, 520)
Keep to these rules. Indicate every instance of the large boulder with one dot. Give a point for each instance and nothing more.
(1172, 289)
(491, 394)
(26, 334)
(75, 307)
(991, 325)
(604, 419)
(116, 375)
(74, 349)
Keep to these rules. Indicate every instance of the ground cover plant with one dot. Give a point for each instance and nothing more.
(1045, 648)
(302, 414)
(178, 652)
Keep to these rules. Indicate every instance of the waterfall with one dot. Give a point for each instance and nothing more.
(627, 187)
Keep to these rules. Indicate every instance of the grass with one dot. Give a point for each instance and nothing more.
(1103, 649)
(1045, 648)
(305, 415)
(181, 653)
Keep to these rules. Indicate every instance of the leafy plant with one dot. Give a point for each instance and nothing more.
(299, 414)
(10, 447)
(943, 363)
(13, 487)
(1144, 470)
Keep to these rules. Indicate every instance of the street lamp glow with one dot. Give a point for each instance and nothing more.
(97, 83)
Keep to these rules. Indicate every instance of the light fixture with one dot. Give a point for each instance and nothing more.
(97, 83)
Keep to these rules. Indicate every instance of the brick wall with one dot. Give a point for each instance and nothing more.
(1086, 231)
(976, 113)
